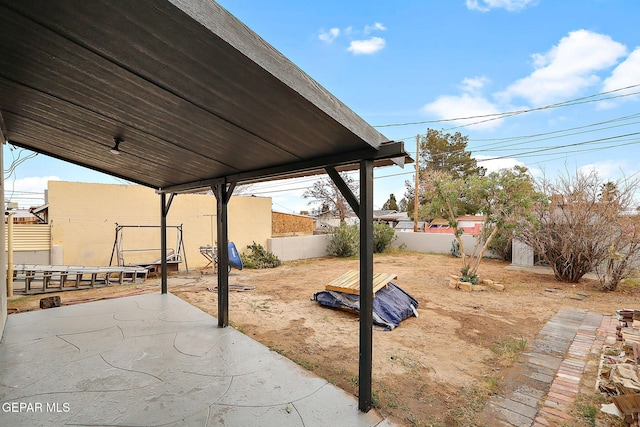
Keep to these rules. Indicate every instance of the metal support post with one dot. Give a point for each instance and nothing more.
(366, 285)
(223, 194)
(163, 243)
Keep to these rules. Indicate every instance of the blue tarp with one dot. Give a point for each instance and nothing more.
(390, 306)
(234, 257)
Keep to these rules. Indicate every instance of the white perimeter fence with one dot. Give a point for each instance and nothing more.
(303, 247)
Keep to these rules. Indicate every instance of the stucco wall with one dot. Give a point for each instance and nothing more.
(431, 242)
(302, 247)
(299, 247)
(83, 217)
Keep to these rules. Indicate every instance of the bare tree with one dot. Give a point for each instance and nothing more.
(581, 226)
(325, 193)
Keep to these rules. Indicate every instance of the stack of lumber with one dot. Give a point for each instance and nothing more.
(626, 319)
(630, 335)
(629, 407)
(349, 282)
(624, 371)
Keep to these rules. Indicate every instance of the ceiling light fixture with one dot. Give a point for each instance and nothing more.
(116, 147)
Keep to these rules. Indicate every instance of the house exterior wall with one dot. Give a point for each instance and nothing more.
(83, 218)
(476, 230)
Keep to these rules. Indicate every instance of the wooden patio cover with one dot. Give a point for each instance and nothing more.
(194, 99)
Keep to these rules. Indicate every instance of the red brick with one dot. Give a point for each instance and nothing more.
(556, 413)
(561, 398)
(556, 388)
(541, 422)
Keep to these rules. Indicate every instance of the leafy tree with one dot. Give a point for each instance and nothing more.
(581, 226)
(504, 198)
(383, 236)
(391, 204)
(344, 241)
(439, 152)
(502, 243)
(326, 194)
(404, 204)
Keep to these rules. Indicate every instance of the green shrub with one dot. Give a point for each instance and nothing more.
(345, 241)
(259, 257)
(383, 235)
(466, 277)
(455, 249)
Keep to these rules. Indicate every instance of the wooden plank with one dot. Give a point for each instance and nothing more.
(349, 282)
(627, 403)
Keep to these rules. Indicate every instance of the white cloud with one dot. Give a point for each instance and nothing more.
(34, 183)
(606, 169)
(329, 36)
(359, 46)
(465, 105)
(510, 5)
(366, 47)
(474, 84)
(625, 75)
(375, 27)
(15, 190)
(567, 68)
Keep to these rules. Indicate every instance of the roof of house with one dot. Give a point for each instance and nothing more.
(406, 225)
(479, 218)
(390, 215)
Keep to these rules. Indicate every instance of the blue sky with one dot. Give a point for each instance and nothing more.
(417, 64)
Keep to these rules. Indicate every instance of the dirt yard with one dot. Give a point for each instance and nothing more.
(437, 369)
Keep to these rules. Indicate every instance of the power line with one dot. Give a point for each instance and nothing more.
(496, 116)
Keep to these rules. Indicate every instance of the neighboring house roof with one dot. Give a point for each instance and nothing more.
(383, 212)
(22, 213)
(436, 222)
(406, 225)
(39, 209)
(390, 215)
(478, 218)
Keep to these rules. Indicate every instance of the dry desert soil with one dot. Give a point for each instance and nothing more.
(434, 370)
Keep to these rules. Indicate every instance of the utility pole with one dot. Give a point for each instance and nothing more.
(415, 195)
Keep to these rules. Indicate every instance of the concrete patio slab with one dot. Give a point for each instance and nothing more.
(151, 360)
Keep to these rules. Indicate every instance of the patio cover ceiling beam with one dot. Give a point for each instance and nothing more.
(385, 155)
